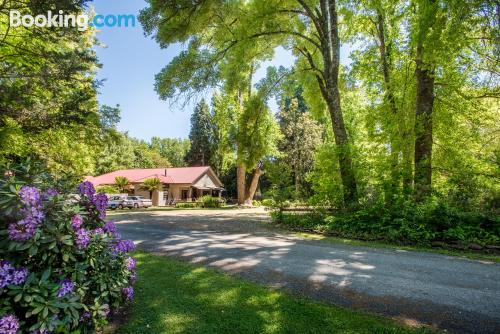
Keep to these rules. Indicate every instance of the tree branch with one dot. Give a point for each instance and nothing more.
(286, 32)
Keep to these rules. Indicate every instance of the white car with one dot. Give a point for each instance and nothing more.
(116, 202)
(137, 202)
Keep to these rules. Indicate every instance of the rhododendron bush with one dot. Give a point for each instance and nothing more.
(63, 267)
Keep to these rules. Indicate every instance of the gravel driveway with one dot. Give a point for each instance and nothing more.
(459, 295)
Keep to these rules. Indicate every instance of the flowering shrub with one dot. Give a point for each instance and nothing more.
(63, 269)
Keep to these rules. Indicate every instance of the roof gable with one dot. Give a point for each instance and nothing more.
(208, 181)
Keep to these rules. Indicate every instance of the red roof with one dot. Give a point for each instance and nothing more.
(166, 175)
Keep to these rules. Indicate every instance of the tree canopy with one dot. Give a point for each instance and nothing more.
(418, 69)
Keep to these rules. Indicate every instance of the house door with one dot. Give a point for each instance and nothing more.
(184, 194)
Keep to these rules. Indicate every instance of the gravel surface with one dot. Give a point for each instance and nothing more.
(459, 295)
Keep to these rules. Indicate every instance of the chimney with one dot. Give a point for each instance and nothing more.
(165, 172)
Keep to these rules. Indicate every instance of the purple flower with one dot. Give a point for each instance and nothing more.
(130, 263)
(22, 230)
(76, 222)
(11, 275)
(48, 193)
(34, 213)
(124, 246)
(19, 275)
(66, 286)
(9, 324)
(128, 293)
(86, 189)
(101, 203)
(82, 238)
(85, 317)
(97, 231)
(5, 273)
(110, 227)
(29, 195)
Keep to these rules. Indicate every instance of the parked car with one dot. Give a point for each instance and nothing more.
(137, 202)
(116, 202)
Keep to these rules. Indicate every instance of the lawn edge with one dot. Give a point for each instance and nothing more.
(382, 245)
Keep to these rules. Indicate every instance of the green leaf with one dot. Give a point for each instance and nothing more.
(33, 250)
(37, 310)
(45, 275)
(18, 297)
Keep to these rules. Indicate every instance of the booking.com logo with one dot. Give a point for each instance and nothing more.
(81, 21)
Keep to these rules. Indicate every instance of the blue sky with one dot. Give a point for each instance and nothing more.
(129, 63)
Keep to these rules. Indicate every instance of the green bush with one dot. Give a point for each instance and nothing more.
(268, 202)
(256, 203)
(208, 201)
(63, 269)
(187, 205)
(407, 224)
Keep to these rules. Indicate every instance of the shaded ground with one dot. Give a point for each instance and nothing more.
(174, 296)
(450, 293)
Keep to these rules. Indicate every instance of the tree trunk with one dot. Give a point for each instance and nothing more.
(423, 127)
(325, 21)
(343, 152)
(395, 128)
(330, 49)
(241, 183)
(407, 170)
(297, 182)
(252, 188)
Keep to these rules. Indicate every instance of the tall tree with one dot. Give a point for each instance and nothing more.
(301, 136)
(224, 115)
(397, 129)
(379, 24)
(47, 75)
(256, 137)
(424, 73)
(437, 34)
(48, 105)
(200, 151)
(225, 38)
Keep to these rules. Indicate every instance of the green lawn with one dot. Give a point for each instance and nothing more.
(177, 297)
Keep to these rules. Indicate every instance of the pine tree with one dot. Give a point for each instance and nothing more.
(201, 135)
